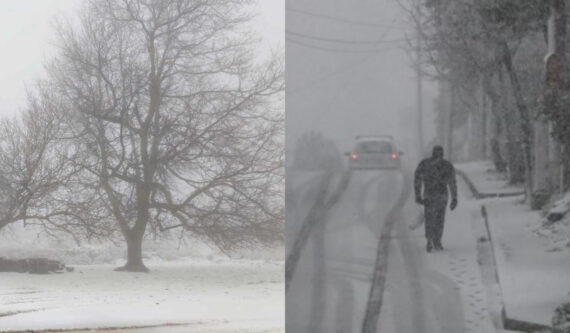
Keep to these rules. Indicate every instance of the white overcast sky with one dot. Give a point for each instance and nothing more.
(27, 35)
(340, 89)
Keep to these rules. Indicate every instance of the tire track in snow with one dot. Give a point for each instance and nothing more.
(346, 304)
(316, 216)
(13, 313)
(374, 304)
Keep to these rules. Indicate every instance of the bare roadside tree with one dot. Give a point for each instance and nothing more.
(480, 42)
(177, 126)
(24, 176)
(36, 172)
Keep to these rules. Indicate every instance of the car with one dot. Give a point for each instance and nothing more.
(374, 152)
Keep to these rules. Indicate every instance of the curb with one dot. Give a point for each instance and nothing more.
(508, 323)
(478, 195)
(528, 327)
(485, 216)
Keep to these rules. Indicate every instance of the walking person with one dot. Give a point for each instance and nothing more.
(437, 176)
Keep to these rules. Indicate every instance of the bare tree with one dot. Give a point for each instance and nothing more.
(24, 176)
(175, 124)
(36, 172)
(476, 41)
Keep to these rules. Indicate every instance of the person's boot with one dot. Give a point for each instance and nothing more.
(429, 245)
(437, 245)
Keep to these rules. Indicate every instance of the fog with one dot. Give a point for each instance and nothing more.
(305, 166)
(352, 263)
(341, 89)
(94, 93)
(29, 42)
(377, 242)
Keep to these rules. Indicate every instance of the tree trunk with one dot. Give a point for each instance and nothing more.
(497, 133)
(498, 114)
(134, 253)
(525, 123)
(512, 148)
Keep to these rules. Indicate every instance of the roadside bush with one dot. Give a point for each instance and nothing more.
(561, 319)
(313, 152)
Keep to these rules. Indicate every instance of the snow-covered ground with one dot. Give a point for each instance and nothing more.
(441, 292)
(304, 188)
(555, 225)
(454, 288)
(220, 295)
(487, 181)
(533, 258)
(190, 283)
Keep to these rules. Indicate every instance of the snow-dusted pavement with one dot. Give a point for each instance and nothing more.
(190, 296)
(532, 258)
(328, 291)
(432, 293)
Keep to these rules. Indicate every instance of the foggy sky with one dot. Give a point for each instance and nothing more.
(344, 94)
(27, 36)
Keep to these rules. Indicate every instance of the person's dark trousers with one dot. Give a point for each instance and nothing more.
(434, 212)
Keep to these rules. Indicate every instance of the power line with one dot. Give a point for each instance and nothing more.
(343, 41)
(338, 19)
(338, 50)
(306, 88)
(311, 83)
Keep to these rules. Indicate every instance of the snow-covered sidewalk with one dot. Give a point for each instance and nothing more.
(533, 274)
(203, 295)
(487, 182)
(452, 278)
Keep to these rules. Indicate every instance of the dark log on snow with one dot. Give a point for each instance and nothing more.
(33, 266)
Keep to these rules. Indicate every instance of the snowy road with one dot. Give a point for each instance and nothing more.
(330, 291)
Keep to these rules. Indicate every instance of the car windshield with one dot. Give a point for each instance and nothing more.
(368, 147)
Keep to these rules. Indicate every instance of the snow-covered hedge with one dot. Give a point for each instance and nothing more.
(558, 209)
(561, 319)
(555, 224)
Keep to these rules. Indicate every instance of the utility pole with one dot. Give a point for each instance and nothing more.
(419, 83)
(483, 121)
(446, 129)
(449, 121)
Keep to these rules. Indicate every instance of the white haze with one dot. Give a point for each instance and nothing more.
(344, 94)
(27, 36)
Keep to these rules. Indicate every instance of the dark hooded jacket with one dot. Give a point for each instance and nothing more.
(436, 174)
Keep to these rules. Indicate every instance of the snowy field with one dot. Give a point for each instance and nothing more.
(192, 287)
(219, 295)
